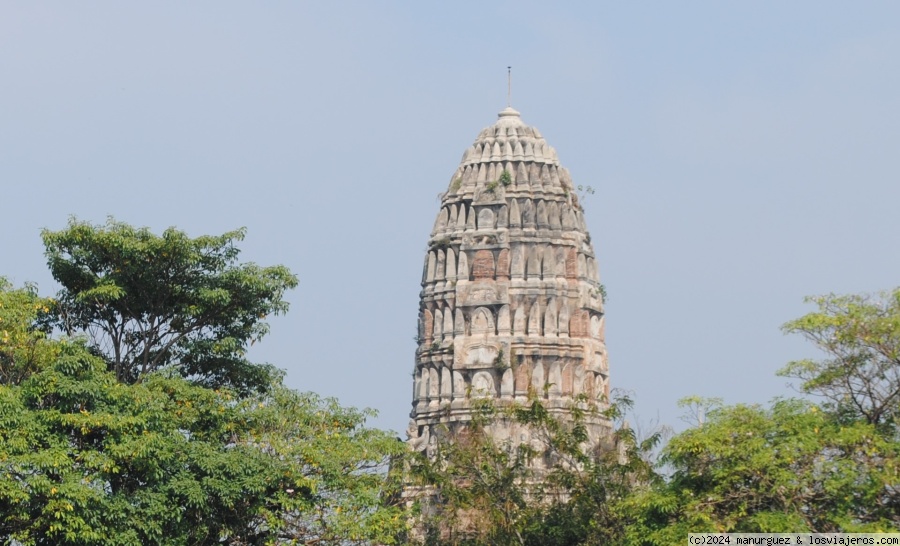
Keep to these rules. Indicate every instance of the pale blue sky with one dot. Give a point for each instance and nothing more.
(744, 155)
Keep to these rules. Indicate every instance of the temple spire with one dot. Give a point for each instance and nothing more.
(509, 86)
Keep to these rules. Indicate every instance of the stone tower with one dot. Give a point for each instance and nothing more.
(511, 300)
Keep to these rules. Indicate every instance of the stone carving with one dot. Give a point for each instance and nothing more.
(440, 222)
(595, 327)
(459, 323)
(480, 355)
(515, 217)
(560, 263)
(486, 218)
(438, 325)
(503, 322)
(534, 176)
(503, 217)
(448, 323)
(470, 221)
(518, 261)
(446, 384)
(553, 213)
(522, 175)
(554, 175)
(571, 264)
(507, 384)
(550, 320)
(534, 320)
(549, 263)
(451, 264)
(564, 320)
(482, 322)
(537, 377)
(503, 265)
(432, 262)
(542, 221)
(519, 321)
(578, 324)
(427, 325)
(533, 268)
(417, 442)
(483, 265)
(522, 379)
(554, 380)
(461, 220)
(566, 379)
(528, 214)
(462, 273)
(459, 385)
(433, 385)
(480, 293)
(441, 264)
(567, 222)
(483, 384)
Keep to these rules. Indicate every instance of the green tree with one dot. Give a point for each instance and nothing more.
(23, 346)
(87, 459)
(860, 336)
(560, 489)
(788, 468)
(147, 425)
(796, 465)
(150, 302)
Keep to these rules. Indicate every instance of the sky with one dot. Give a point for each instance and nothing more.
(744, 155)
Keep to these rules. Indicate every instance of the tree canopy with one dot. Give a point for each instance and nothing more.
(23, 346)
(86, 459)
(149, 302)
(788, 468)
(860, 336)
(146, 424)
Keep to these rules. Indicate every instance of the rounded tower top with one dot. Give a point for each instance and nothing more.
(510, 146)
(509, 116)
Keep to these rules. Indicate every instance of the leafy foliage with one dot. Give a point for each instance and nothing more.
(23, 346)
(860, 335)
(150, 302)
(559, 488)
(86, 459)
(790, 468)
(795, 466)
(155, 429)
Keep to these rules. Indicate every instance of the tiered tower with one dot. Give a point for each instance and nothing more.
(511, 301)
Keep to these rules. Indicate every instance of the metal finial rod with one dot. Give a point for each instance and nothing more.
(508, 86)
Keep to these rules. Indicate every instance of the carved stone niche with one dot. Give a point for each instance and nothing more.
(482, 293)
(482, 322)
(479, 355)
(483, 265)
(484, 196)
(486, 218)
(483, 384)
